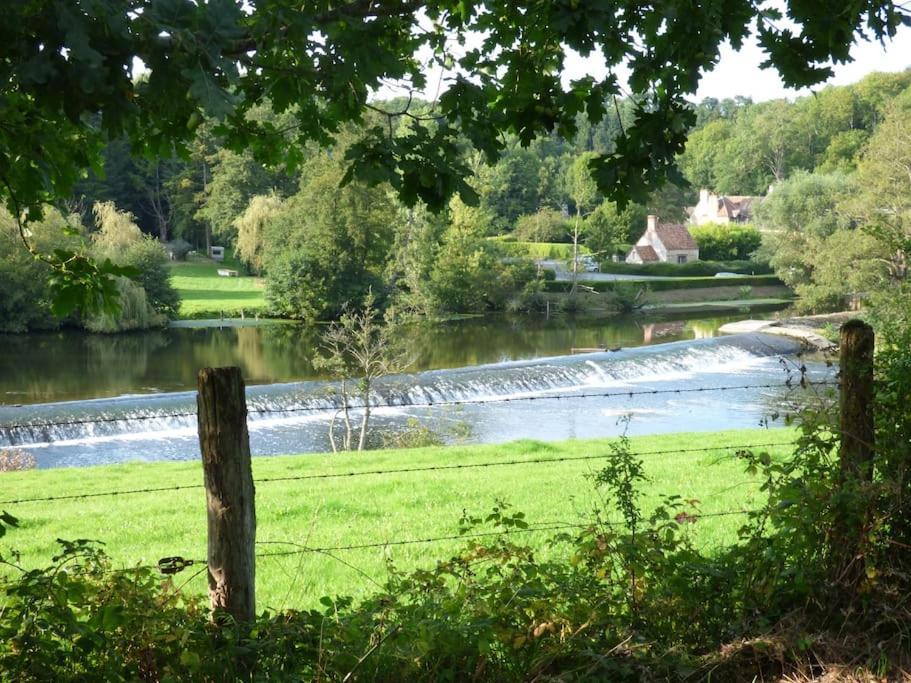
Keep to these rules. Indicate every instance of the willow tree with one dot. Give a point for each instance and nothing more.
(69, 80)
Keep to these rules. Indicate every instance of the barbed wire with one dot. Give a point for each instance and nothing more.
(789, 384)
(174, 564)
(402, 470)
(506, 463)
(546, 397)
(689, 517)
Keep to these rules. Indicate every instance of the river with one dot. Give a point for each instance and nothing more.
(129, 397)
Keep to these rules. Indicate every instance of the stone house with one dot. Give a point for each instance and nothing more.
(715, 208)
(665, 243)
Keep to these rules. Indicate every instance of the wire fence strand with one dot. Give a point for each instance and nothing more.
(402, 470)
(301, 549)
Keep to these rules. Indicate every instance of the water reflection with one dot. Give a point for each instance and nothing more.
(70, 365)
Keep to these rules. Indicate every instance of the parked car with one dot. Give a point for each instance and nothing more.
(588, 263)
(724, 274)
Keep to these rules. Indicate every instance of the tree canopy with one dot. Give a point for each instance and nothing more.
(70, 82)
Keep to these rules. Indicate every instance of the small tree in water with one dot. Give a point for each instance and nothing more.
(360, 348)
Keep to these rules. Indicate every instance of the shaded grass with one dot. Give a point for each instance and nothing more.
(205, 294)
(140, 529)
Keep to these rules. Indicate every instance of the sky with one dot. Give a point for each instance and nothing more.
(737, 72)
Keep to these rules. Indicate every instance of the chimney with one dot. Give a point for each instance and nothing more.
(652, 223)
(704, 195)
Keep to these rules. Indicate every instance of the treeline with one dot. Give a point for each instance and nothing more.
(320, 242)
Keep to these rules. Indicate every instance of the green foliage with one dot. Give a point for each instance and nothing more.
(607, 227)
(581, 185)
(509, 189)
(78, 619)
(25, 296)
(817, 248)
(672, 283)
(327, 246)
(236, 180)
(545, 225)
(150, 260)
(540, 250)
(358, 350)
(135, 311)
(251, 228)
(119, 240)
(726, 242)
(629, 296)
(690, 269)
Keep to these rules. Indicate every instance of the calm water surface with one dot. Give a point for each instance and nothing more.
(71, 365)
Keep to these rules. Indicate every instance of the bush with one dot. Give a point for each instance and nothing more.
(136, 312)
(16, 460)
(547, 225)
(726, 242)
(150, 258)
(25, 293)
(540, 250)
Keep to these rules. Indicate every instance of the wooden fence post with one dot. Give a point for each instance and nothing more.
(225, 446)
(856, 419)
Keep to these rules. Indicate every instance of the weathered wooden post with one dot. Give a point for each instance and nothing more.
(856, 420)
(856, 452)
(225, 446)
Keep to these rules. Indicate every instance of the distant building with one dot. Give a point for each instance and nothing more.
(664, 242)
(715, 208)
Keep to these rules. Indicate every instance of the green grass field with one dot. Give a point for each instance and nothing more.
(205, 294)
(366, 509)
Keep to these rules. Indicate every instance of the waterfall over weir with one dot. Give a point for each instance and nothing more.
(294, 417)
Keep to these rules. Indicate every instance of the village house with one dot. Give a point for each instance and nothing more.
(664, 242)
(715, 208)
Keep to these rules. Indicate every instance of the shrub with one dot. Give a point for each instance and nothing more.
(547, 225)
(25, 293)
(726, 242)
(16, 460)
(540, 250)
(136, 312)
(150, 258)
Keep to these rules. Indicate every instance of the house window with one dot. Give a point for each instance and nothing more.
(681, 258)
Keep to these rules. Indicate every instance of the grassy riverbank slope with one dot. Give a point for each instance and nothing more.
(205, 294)
(373, 508)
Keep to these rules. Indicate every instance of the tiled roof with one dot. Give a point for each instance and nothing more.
(675, 237)
(735, 206)
(646, 253)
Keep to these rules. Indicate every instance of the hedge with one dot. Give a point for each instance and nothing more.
(692, 269)
(540, 250)
(669, 284)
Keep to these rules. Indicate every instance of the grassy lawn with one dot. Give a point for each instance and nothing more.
(366, 509)
(205, 294)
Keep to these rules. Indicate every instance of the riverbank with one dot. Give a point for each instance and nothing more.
(345, 510)
(817, 332)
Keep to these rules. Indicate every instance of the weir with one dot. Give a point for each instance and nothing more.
(292, 417)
